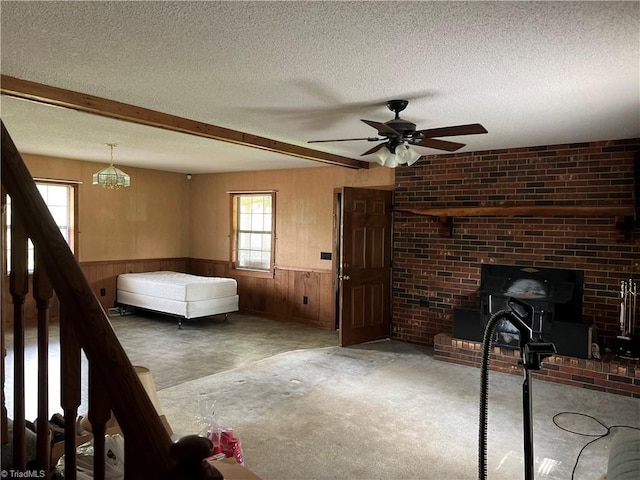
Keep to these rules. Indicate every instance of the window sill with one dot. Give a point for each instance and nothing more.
(246, 272)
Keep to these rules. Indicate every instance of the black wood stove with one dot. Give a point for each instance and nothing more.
(555, 295)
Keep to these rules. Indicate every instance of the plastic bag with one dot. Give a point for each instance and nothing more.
(114, 459)
(225, 442)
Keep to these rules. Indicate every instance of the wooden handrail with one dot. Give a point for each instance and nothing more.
(147, 441)
(4, 418)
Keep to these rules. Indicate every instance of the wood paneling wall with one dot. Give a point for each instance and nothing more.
(103, 275)
(304, 210)
(175, 222)
(304, 229)
(149, 219)
(281, 297)
(100, 275)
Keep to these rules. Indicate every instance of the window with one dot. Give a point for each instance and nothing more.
(60, 198)
(253, 231)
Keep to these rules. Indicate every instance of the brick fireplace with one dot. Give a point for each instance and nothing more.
(557, 206)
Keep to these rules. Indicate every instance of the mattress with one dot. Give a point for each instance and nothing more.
(178, 286)
(194, 309)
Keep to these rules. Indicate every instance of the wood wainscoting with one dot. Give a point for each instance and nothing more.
(282, 297)
(292, 295)
(102, 279)
(103, 275)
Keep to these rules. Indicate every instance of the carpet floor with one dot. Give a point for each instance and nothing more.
(306, 409)
(388, 410)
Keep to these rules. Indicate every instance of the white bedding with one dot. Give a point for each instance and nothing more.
(180, 294)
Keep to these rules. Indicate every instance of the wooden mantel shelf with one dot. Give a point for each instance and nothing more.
(624, 215)
(528, 211)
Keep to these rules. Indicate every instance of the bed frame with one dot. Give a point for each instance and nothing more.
(180, 295)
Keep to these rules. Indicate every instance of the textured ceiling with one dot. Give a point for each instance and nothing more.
(532, 73)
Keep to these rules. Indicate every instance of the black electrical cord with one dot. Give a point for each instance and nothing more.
(596, 435)
(484, 392)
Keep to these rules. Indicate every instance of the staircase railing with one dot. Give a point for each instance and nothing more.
(113, 382)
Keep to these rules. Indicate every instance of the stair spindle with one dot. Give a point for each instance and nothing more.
(70, 394)
(42, 292)
(18, 286)
(99, 415)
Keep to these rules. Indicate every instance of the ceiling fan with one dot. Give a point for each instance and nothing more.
(398, 134)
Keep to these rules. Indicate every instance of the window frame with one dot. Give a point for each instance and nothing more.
(72, 210)
(235, 211)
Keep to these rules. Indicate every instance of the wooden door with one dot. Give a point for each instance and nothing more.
(365, 265)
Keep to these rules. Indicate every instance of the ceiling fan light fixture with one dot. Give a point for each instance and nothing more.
(392, 161)
(111, 177)
(406, 155)
(384, 157)
(401, 155)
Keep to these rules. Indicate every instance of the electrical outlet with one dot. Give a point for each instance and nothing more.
(305, 300)
(103, 292)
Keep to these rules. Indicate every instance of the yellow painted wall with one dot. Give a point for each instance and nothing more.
(149, 219)
(304, 210)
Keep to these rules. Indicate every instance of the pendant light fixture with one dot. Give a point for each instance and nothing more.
(111, 177)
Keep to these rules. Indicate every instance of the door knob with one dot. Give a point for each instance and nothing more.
(345, 277)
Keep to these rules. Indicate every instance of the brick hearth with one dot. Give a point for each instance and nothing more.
(610, 374)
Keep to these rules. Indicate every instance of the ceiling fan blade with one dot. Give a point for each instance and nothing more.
(383, 129)
(370, 139)
(440, 144)
(470, 129)
(374, 149)
(327, 102)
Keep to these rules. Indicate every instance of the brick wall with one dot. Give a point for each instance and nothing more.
(433, 274)
(611, 374)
